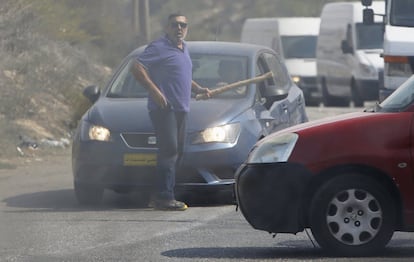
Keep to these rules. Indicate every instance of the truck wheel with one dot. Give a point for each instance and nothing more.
(352, 215)
(330, 100)
(327, 99)
(356, 97)
(88, 194)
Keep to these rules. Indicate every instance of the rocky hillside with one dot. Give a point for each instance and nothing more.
(40, 83)
(44, 64)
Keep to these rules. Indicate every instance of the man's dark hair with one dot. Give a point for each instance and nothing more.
(173, 15)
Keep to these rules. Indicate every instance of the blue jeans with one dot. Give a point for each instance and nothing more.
(169, 129)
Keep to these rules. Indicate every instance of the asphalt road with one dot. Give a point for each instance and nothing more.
(40, 220)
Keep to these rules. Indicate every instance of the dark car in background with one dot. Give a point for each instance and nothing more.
(114, 146)
(348, 178)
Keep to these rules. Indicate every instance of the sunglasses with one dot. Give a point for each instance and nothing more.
(176, 24)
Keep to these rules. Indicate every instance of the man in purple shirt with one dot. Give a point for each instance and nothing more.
(165, 69)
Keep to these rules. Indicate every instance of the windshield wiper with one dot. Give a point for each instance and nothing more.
(373, 109)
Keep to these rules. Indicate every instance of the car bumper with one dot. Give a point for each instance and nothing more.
(270, 195)
(103, 164)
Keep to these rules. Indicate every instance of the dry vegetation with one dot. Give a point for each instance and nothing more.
(40, 81)
(50, 50)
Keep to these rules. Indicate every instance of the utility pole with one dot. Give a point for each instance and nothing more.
(141, 23)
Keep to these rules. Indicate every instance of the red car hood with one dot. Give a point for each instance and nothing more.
(358, 138)
(327, 121)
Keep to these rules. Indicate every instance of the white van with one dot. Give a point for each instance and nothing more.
(294, 38)
(348, 54)
(398, 43)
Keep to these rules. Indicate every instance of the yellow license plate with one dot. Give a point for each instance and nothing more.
(140, 159)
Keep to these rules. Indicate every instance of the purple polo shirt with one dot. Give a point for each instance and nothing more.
(171, 70)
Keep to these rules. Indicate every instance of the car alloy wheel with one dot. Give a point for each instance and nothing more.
(352, 215)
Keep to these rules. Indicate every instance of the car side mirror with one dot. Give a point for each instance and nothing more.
(366, 2)
(368, 16)
(92, 93)
(275, 93)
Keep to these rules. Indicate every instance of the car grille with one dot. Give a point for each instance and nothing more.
(140, 140)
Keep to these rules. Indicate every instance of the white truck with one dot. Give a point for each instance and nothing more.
(348, 52)
(294, 39)
(398, 42)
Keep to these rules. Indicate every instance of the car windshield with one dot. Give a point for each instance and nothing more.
(212, 71)
(369, 36)
(299, 46)
(401, 98)
(125, 85)
(402, 13)
(215, 71)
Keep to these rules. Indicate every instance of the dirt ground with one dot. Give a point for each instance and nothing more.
(40, 157)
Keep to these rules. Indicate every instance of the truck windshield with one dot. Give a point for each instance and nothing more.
(402, 13)
(369, 36)
(299, 46)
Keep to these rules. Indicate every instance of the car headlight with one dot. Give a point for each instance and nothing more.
(99, 133)
(273, 149)
(219, 134)
(296, 79)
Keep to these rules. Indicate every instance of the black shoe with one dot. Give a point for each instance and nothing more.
(170, 205)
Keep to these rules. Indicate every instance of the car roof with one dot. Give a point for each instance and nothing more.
(219, 47)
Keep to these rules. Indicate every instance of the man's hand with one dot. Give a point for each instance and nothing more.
(159, 98)
(206, 91)
(142, 76)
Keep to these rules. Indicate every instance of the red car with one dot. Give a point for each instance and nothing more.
(350, 178)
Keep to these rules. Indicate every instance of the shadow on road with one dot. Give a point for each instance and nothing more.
(65, 200)
(244, 253)
(283, 252)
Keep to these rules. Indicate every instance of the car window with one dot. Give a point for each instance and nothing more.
(125, 85)
(214, 71)
(402, 13)
(369, 36)
(303, 46)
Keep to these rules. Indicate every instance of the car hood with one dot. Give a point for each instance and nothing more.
(361, 137)
(355, 132)
(131, 115)
(371, 57)
(328, 121)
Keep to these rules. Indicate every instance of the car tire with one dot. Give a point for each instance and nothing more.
(356, 97)
(329, 100)
(352, 215)
(88, 194)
